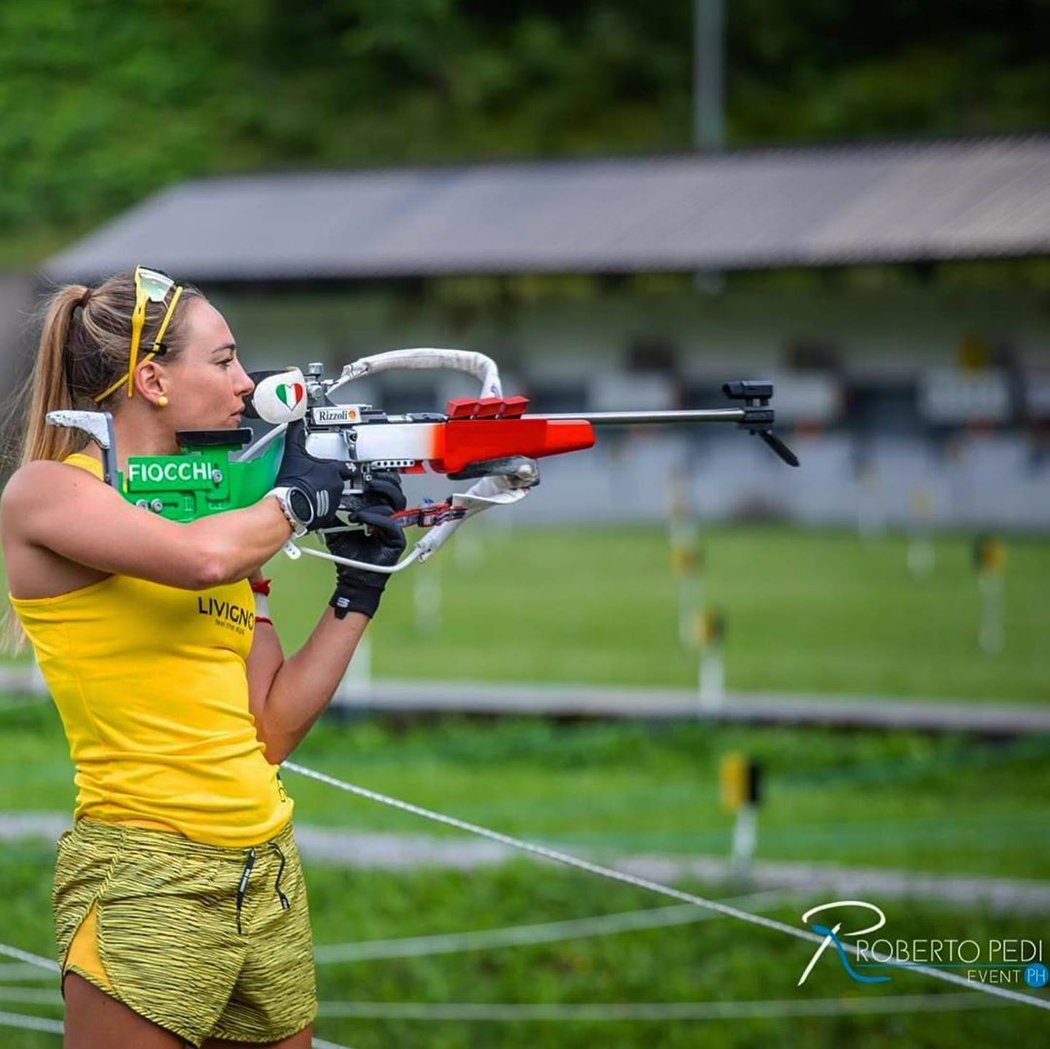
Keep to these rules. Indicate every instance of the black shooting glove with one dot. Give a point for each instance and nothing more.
(381, 543)
(308, 489)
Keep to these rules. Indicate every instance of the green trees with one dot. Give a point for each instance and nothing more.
(102, 102)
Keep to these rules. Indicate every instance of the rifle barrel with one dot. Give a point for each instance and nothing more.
(700, 415)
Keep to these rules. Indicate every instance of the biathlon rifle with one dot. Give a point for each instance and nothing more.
(491, 439)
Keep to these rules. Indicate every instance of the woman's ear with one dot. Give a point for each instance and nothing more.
(151, 382)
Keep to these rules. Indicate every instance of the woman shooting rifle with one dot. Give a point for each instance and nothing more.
(180, 909)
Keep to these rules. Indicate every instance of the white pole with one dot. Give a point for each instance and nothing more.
(426, 599)
(993, 634)
(921, 556)
(690, 601)
(686, 558)
(468, 549)
(712, 682)
(745, 837)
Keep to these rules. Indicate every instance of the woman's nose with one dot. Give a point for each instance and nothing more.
(245, 384)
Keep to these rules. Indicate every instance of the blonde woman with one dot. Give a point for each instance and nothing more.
(180, 909)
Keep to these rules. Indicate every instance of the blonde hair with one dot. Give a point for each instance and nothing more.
(85, 346)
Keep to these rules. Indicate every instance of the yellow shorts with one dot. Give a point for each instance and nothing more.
(205, 941)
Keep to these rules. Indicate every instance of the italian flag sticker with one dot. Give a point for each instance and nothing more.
(290, 393)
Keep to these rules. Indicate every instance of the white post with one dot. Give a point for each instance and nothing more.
(686, 558)
(712, 679)
(990, 559)
(993, 634)
(690, 601)
(745, 838)
(500, 527)
(468, 548)
(921, 555)
(426, 599)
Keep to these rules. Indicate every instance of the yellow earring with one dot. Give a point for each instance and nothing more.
(162, 401)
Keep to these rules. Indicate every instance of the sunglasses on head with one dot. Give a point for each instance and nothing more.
(150, 286)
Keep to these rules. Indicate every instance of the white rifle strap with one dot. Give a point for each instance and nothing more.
(477, 364)
(481, 496)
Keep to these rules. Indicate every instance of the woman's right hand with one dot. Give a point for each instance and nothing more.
(381, 542)
(320, 481)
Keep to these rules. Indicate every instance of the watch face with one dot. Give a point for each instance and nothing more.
(300, 505)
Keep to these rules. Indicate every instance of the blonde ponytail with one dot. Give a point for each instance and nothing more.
(85, 344)
(45, 391)
(48, 386)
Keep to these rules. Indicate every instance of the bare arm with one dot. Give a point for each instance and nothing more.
(67, 511)
(287, 696)
(54, 507)
(264, 660)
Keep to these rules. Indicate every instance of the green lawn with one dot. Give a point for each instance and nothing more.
(946, 804)
(807, 611)
(816, 611)
(872, 799)
(714, 961)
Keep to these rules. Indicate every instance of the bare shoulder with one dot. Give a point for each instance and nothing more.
(43, 497)
(39, 500)
(44, 481)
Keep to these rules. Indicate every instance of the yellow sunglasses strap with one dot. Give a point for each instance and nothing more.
(137, 322)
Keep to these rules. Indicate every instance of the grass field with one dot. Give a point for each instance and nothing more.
(806, 612)
(953, 805)
(816, 611)
(922, 803)
(715, 961)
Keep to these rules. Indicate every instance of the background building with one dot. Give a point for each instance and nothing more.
(884, 288)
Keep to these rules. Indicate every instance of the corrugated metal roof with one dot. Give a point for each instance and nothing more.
(766, 208)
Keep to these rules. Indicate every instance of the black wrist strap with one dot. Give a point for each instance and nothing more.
(364, 600)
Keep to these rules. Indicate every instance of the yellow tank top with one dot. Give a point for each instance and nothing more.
(151, 686)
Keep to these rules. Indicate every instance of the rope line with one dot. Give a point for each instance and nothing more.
(31, 1023)
(32, 959)
(523, 935)
(30, 996)
(645, 883)
(21, 971)
(594, 1011)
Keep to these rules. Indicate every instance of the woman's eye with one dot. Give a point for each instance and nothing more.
(226, 363)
